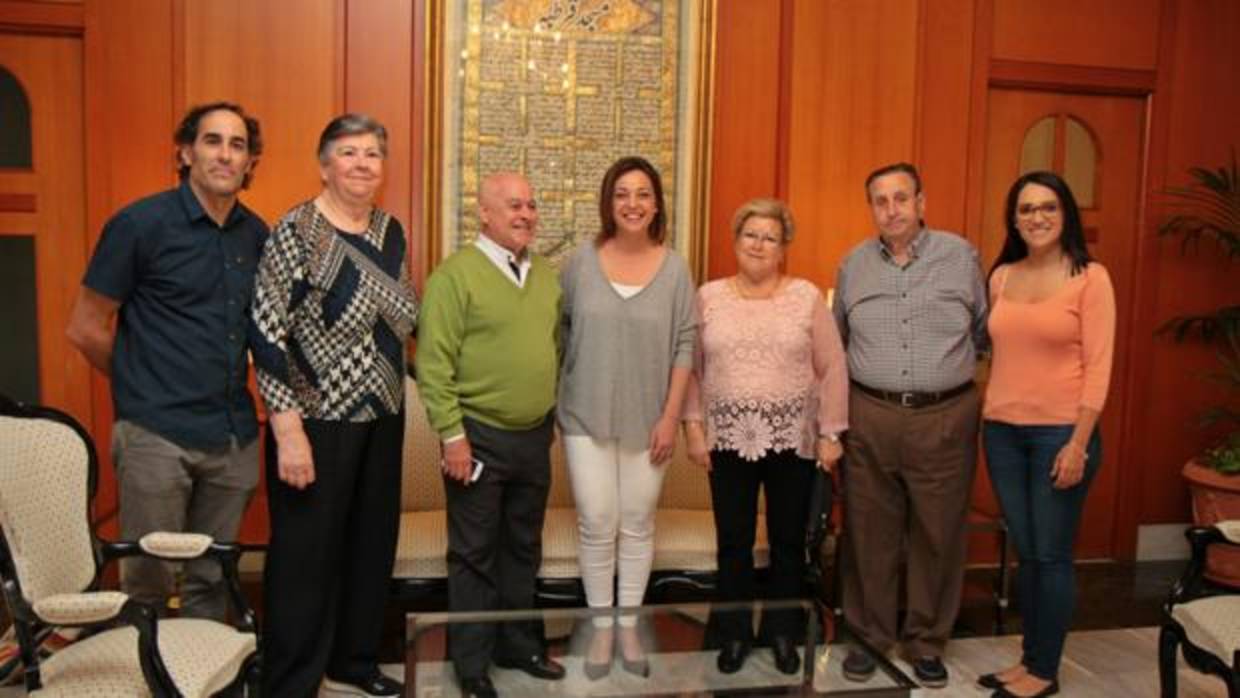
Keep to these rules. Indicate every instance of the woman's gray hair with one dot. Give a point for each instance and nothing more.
(765, 208)
(351, 125)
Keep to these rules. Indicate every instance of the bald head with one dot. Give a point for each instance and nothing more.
(507, 210)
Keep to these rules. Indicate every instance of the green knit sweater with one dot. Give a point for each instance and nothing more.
(486, 348)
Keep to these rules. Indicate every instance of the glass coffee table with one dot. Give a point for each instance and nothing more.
(681, 642)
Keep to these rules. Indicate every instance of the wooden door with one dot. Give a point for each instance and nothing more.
(1096, 143)
(42, 214)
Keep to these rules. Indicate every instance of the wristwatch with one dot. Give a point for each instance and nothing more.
(832, 437)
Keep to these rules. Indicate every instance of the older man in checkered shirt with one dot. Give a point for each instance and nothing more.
(911, 307)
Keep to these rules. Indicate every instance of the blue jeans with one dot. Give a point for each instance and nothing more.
(1043, 523)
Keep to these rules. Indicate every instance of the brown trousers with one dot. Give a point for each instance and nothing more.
(907, 479)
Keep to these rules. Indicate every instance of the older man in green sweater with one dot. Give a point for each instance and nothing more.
(486, 362)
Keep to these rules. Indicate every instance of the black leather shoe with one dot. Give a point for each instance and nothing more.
(859, 665)
(786, 658)
(540, 666)
(477, 687)
(930, 672)
(990, 681)
(732, 656)
(1050, 690)
(374, 685)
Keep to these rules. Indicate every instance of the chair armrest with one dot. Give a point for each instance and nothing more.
(1192, 582)
(93, 608)
(1230, 530)
(175, 546)
(179, 547)
(80, 609)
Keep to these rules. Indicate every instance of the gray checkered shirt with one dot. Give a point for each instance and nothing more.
(917, 327)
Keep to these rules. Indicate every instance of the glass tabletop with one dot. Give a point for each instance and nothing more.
(681, 642)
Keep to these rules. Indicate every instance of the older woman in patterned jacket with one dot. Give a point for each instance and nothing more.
(768, 397)
(332, 311)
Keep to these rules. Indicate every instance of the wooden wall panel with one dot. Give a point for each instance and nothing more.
(745, 139)
(1110, 33)
(63, 17)
(62, 253)
(129, 105)
(853, 98)
(378, 81)
(945, 69)
(1202, 131)
(49, 202)
(283, 61)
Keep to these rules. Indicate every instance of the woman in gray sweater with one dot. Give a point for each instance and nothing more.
(629, 332)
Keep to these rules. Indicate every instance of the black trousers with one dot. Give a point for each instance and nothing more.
(495, 543)
(329, 561)
(786, 478)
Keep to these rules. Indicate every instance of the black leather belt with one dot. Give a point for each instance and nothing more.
(911, 399)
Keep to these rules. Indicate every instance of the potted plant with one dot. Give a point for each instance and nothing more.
(1209, 208)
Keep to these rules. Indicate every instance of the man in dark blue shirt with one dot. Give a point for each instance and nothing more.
(176, 270)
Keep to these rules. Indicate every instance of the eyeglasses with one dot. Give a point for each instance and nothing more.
(756, 238)
(1050, 208)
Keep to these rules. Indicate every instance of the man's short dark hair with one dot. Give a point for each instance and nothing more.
(187, 133)
(885, 170)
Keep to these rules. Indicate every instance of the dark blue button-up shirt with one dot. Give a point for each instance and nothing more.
(184, 284)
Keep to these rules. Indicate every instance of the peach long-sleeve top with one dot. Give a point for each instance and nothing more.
(1051, 357)
(770, 374)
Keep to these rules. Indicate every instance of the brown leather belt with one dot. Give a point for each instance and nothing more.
(911, 399)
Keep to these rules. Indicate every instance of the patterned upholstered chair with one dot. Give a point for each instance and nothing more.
(421, 569)
(1202, 618)
(50, 565)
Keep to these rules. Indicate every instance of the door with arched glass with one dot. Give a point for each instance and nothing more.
(1095, 142)
(43, 242)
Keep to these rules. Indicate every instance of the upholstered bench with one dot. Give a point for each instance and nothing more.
(684, 527)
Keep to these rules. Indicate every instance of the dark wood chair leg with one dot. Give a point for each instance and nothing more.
(1168, 644)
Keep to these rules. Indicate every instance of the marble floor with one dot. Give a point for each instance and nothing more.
(1112, 650)
(1097, 663)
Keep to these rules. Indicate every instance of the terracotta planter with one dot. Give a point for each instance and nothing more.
(1216, 497)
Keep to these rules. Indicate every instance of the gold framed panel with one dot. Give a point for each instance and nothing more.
(558, 90)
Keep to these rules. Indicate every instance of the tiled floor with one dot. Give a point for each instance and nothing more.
(1097, 664)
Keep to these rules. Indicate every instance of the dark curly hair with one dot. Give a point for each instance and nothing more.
(187, 132)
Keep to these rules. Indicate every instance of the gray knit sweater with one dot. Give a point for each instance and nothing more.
(619, 353)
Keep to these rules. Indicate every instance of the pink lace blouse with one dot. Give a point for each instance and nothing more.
(769, 374)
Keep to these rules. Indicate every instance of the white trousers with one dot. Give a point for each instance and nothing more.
(616, 490)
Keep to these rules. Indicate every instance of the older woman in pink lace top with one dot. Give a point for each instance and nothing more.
(767, 401)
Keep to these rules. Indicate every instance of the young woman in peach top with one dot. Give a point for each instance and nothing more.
(1052, 327)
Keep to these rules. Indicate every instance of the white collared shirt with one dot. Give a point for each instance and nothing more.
(504, 259)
